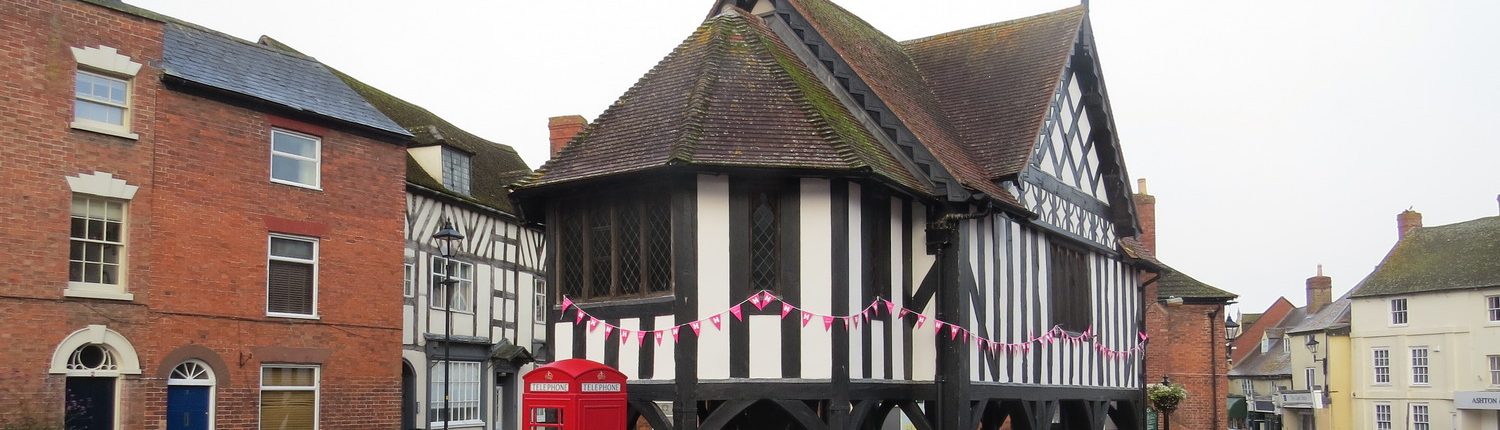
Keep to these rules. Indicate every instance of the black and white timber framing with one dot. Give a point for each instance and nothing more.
(844, 240)
(506, 276)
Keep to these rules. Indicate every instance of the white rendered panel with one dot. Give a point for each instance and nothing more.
(562, 340)
(713, 274)
(765, 345)
(816, 228)
(898, 341)
(665, 362)
(923, 341)
(630, 351)
(971, 246)
(856, 281)
(594, 341)
(877, 350)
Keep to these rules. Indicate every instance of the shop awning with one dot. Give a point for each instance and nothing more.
(1236, 408)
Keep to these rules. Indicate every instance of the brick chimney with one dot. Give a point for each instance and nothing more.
(1407, 221)
(1319, 291)
(1145, 212)
(563, 129)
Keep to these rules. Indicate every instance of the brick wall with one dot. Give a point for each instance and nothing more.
(1181, 347)
(196, 235)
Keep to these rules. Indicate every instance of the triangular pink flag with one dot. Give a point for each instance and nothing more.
(735, 310)
(607, 330)
(1144, 336)
(718, 321)
(937, 326)
(786, 308)
(904, 312)
(674, 333)
(659, 336)
(697, 327)
(891, 306)
(920, 319)
(866, 314)
(640, 338)
(566, 303)
(624, 336)
(755, 300)
(578, 317)
(766, 297)
(952, 332)
(593, 324)
(854, 320)
(805, 318)
(827, 323)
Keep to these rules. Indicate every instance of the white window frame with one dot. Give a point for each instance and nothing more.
(1493, 305)
(539, 306)
(1494, 370)
(1379, 363)
(1426, 417)
(1383, 416)
(1248, 387)
(314, 261)
(436, 398)
(1425, 366)
(1400, 315)
(434, 284)
(455, 156)
(409, 283)
(106, 62)
(317, 159)
(1311, 374)
(99, 290)
(317, 389)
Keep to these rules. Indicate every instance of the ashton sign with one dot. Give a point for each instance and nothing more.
(1483, 400)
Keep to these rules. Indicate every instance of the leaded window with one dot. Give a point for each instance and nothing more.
(616, 245)
(92, 357)
(1071, 301)
(765, 237)
(456, 174)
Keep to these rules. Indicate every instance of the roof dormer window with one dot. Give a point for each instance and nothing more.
(456, 170)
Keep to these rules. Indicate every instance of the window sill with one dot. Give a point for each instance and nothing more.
(104, 129)
(88, 291)
(296, 184)
(292, 316)
(457, 424)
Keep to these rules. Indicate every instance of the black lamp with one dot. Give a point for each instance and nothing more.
(1231, 328)
(447, 239)
(1312, 343)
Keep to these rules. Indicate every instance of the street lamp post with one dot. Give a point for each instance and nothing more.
(447, 238)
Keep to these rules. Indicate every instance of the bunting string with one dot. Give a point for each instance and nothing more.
(953, 332)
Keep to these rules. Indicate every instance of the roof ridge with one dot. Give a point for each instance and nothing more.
(786, 65)
(980, 27)
(703, 88)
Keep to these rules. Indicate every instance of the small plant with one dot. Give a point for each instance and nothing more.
(1165, 397)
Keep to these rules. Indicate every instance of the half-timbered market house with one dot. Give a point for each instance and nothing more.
(795, 221)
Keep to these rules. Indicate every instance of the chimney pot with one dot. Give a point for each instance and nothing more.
(1406, 221)
(562, 129)
(1145, 212)
(1140, 185)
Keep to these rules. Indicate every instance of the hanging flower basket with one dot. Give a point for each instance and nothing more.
(1165, 398)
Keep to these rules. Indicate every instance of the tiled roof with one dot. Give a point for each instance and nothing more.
(882, 64)
(1334, 315)
(1448, 257)
(1133, 248)
(997, 81)
(731, 95)
(1273, 362)
(281, 78)
(1174, 283)
(492, 167)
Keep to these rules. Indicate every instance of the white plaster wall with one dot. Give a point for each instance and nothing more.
(713, 274)
(665, 362)
(630, 350)
(816, 216)
(856, 281)
(898, 341)
(562, 340)
(765, 345)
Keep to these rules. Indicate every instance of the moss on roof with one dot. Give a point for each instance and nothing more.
(1174, 283)
(1447, 257)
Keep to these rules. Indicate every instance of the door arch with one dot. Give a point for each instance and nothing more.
(93, 359)
(190, 396)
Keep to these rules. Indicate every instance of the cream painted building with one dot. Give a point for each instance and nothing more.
(1425, 335)
(1321, 369)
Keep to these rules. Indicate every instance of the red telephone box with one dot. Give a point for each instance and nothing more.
(574, 394)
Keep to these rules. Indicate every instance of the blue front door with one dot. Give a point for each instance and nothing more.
(187, 407)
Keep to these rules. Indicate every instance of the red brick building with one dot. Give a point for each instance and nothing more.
(1185, 318)
(197, 229)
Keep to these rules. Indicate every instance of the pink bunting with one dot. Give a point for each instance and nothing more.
(937, 326)
(905, 312)
(1144, 336)
(805, 318)
(607, 330)
(640, 338)
(697, 327)
(766, 297)
(827, 323)
(735, 310)
(718, 321)
(755, 300)
(566, 303)
(952, 332)
(920, 319)
(624, 336)
(578, 317)
(786, 308)
(854, 320)
(866, 314)
(659, 335)
(593, 324)
(891, 306)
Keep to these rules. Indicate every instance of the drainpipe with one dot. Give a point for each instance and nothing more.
(1140, 321)
(1213, 365)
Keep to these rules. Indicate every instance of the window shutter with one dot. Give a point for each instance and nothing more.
(290, 288)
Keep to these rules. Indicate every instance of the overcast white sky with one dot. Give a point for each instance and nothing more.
(1276, 134)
